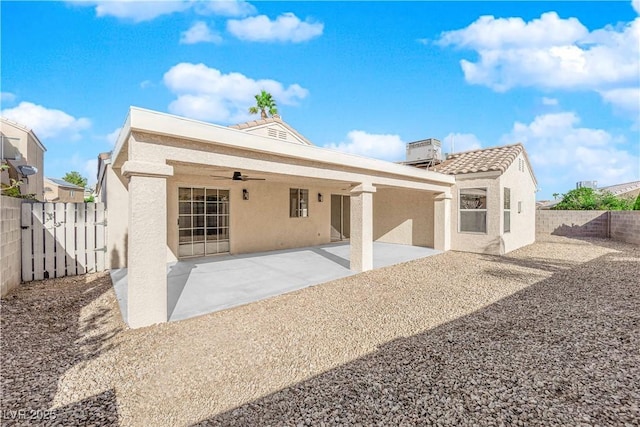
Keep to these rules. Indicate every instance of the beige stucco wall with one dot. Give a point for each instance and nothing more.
(32, 154)
(403, 216)
(10, 256)
(489, 242)
(117, 203)
(523, 224)
(261, 223)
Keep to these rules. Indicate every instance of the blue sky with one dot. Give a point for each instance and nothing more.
(363, 77)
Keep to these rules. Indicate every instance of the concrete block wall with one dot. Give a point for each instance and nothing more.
(625, 226)
(10, 244)
(573, 223)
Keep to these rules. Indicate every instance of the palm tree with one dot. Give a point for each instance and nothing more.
(264, 103)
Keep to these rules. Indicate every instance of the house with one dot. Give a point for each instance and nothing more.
(493, 205)
(61, 191)
(628, 190)
(178, 188)
(23, 152)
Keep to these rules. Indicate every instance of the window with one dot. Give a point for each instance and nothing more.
(71, 193)
(298, 203)
(473, 210)
(507, 210)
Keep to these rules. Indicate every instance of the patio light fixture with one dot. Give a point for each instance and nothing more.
(245, 194)
(320, 197)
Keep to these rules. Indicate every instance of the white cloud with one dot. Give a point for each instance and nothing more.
(461, 142)
(205, 93)
(562, 153)
(549, 53)
(145, 84)
(140, 10)
(378, 146)
(624, 99)
(45, 122)
(489, 33)
(549, 101)
(636, 6)
(135, 10)
(226, 8)
(199, 33)
(113, 136)
(286, 28)
(7, 97)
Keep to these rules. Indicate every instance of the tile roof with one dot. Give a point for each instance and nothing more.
(622, 188)
(262, 122)
(480, 160)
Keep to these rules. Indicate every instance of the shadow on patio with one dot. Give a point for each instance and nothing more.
(563, 351)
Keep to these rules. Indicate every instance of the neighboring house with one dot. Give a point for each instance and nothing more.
(61, 191)
(178, 188)
(493, 207)
(628, 190)
(20, 148)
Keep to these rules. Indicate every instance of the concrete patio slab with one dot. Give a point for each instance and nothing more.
(203, 285)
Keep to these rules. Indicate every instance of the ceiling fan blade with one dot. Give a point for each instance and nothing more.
(220, 177)
(254, 179)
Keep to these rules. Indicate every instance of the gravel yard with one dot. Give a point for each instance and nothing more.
(547, 335)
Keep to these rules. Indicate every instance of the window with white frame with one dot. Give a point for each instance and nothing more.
(473, 210)
(298, 203)
(507, 210)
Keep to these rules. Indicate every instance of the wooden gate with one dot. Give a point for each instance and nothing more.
(62, 239)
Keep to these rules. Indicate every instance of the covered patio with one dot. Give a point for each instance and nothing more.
(202, 285)
(191, 189)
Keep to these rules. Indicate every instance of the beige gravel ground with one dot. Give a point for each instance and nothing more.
(548, 335)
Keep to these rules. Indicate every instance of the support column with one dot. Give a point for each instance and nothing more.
(442, 222)
(147, 243)
(361, 238)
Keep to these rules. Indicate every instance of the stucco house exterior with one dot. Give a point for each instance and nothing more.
(61, 191)
(493, 204)
(177, 188)
(21, 147)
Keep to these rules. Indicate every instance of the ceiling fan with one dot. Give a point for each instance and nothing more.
(237, 176)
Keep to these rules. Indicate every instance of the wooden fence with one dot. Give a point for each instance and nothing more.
(62, 239)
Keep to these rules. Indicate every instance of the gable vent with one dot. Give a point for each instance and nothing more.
(282, 135)
(272, 133)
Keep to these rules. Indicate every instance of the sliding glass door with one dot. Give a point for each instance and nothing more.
(203, 221)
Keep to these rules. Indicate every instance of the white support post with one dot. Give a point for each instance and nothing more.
(442, 222)
(147, 253)
(361, 239)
